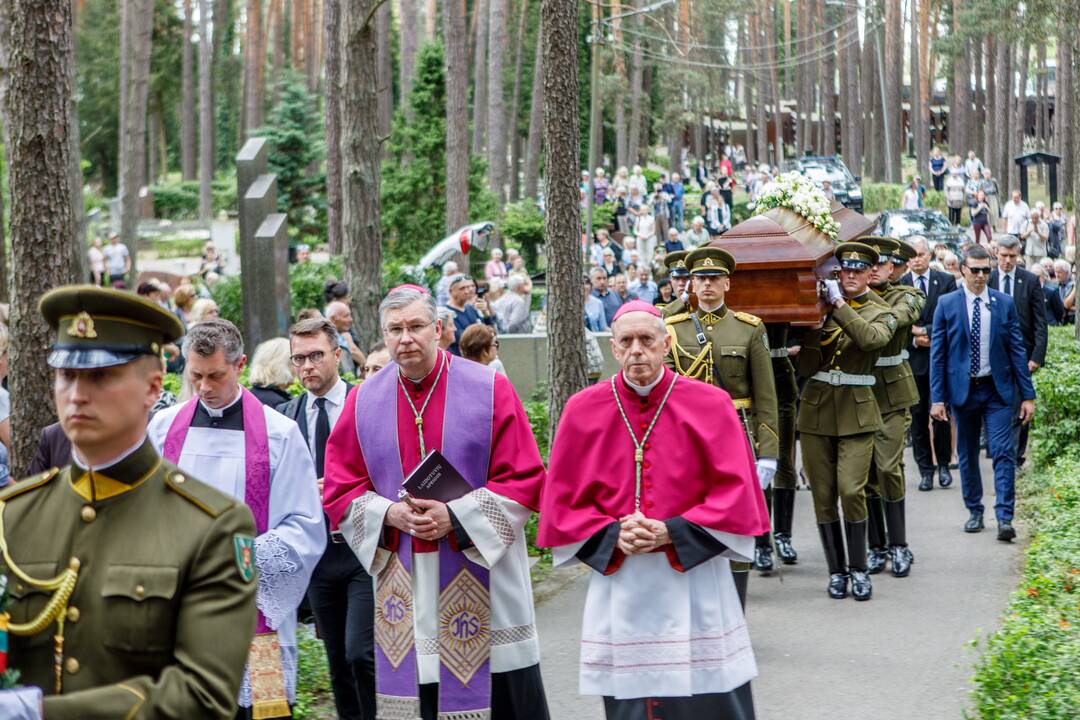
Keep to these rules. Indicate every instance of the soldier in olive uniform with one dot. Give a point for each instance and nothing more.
(895, 392)
(679, 275)
(150, 572)
(730, 350)
(783, 489)
(838, 415)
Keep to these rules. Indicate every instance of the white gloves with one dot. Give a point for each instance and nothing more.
(766, 469)
(832, 291)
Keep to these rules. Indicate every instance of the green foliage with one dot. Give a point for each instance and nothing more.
(414, 172)
(295, 132)
(1056, 430)
(651, 177)
(179, 199)
(176, 248)
(312, 675)
(306, 283)
(602, 215)
(1030, 667)
(887, 196)
(171, 382)
(523, 224)
(537, 412)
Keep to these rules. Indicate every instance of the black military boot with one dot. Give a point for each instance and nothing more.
(898, 550)
(875, 560)
(832, 540)
(783, 512)
(856, 546)
(763, 559)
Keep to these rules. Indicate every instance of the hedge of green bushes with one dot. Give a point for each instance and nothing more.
(887, 196)
(180, 200)
(1030, 668)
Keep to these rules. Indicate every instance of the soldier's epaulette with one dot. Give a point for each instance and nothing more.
(748, 318)
(202, 496)
(677, 318)
(27, 484)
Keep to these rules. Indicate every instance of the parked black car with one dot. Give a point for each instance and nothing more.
(930, 224)
(846, 187)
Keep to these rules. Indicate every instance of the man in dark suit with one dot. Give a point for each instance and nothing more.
(933, 284)
(341, 593)
(978, 367)
(1027, 294)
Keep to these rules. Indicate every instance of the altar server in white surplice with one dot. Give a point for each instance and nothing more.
(241, 447)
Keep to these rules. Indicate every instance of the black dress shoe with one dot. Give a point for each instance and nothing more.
(763, 559)
(875, 560)
(954, 466)
(901, 560)
(785, 551)
(838, 586)
(944, 476)
(974, 523)
(1006, 532)
(860, 585)
(927, 482)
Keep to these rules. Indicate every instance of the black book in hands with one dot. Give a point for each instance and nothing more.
(435, 479)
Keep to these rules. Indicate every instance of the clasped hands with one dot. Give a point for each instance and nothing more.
(639, 534)
(425, 519)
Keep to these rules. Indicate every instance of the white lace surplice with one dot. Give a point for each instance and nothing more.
(288, 551)
(651, 631)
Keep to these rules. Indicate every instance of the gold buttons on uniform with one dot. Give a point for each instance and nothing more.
(140, 591)
(88, 513)
(73, 614)
(71, 665)
(178, 478)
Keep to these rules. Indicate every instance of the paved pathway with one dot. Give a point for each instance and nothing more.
(902, 655)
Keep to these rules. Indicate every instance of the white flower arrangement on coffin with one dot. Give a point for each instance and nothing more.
(800, 195)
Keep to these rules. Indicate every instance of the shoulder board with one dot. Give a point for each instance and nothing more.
(677, 318)
(748, 318)
(27, 484)
(201, 495)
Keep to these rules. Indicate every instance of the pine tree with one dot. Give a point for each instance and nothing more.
(414, 173)
(295, 135)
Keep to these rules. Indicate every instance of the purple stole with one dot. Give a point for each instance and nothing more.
(464, 641)
(256, 457)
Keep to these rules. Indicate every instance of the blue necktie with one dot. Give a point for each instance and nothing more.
(1008, 285)
(922, 284)
(976, 335)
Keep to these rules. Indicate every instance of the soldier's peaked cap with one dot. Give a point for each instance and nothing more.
(676, 263)
(856, 255)
(710, 260)
(101, 327)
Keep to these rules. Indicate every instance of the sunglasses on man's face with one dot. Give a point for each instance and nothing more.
(980, 270)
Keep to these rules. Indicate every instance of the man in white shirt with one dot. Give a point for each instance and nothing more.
(117, 259)
(1017, 215)
(973, 166)
(512, 309)
(340, 594)
(696, 236)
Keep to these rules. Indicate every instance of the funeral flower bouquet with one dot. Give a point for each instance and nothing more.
(800, 195)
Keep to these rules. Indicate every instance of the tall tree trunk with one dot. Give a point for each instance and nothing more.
(332, 30)
(871, 99)
(206, 114)
(853, 109)
(775, 90)
(894, 84)
(480, 78)
(536, 120)
(253, 67)
(828, 87)
(5, 137)
(275, 18)
(990, 134)
(978, 99)
(384, 73)
(633, 142)
(919, 116)
(515, 105)
(360, 160)
(1003, 92)
(407, 22)
(959, 105)
(296, 34)
(311, 43)
(1023, 59)
(38, 110)
(153, 122)
(188, 147)
(80, 264)
(1066, 92)
(619, 99)
(430, 20)
(496, 109)
(760, 87)
(141, 19)
(802, 78)
(562, 219)
(748, 91)
(457, 114)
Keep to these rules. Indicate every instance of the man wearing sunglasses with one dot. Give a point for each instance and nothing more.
(978, 365)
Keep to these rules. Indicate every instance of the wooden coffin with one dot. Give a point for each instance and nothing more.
(780, 258)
